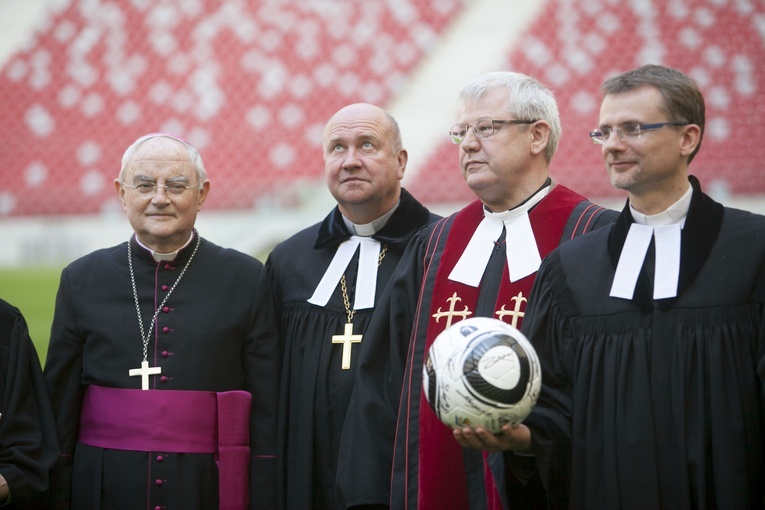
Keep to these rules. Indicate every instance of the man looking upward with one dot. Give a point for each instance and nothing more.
(328, 279)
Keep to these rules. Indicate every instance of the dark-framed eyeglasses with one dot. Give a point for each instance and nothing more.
(172, 188)
(482, 128)
(628, 131)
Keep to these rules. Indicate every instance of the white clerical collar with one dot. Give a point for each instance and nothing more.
(523, 258)
(159, 257)
(665, 227)
(369, 229)
(674, 214)
(366, 275)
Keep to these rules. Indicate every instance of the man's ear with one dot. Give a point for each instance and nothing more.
(540, 132)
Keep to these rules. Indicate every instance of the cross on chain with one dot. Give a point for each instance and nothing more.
(516, 312)
(347, 339)
(145, 371)
(451, 312)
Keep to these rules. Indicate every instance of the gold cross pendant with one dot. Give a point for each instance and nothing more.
(347, 339)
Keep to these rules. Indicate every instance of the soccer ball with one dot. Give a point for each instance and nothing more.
(481, 372)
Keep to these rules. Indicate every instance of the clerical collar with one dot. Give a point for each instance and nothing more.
(665, 229)
(369, 259)
(674, 214)
(370, 229)
(159, 257)
(523, 258)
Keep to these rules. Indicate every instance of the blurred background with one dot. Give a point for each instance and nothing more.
(251, 84)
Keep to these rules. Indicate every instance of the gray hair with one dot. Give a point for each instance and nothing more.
(527, 99)
(398, 144)
(194, 156)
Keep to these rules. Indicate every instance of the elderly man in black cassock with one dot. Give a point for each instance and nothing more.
(328, 279)
(28, 446)
(478, 262)
(651, 332)
(163, 359)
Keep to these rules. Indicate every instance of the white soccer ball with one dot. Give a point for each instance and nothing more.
(481, 372)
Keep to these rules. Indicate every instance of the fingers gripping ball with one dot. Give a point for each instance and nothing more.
(481, 372)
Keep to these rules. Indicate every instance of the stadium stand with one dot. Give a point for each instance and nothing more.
(251, 84)
(574, 46)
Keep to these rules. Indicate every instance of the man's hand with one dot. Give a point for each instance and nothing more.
(4, 489)
(516, 438)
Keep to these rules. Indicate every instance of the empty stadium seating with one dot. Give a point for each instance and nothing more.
(252, 83)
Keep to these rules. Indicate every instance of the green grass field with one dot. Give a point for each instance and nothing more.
(33, 291)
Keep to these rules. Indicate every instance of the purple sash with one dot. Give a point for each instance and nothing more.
(178, 422)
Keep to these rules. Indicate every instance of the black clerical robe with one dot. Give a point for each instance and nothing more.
(28, 446)
(217, 332)
(389, 423)
(315, 389)
(654, 403)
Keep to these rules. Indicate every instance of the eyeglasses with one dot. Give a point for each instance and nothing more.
(173, 188)
(630, 131)
(482, 128)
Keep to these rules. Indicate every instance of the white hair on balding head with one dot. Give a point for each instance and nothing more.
(527, 99)
(194, 156)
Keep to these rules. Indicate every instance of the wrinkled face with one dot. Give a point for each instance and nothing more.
(493, 165)
(362, 168)
(163, 221)
(645, 164)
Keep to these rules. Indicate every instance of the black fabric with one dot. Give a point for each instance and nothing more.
(653, 404)
(218, 333)
(28, 445)
(315, 390)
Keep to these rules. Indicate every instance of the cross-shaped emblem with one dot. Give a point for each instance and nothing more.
(516, 312)
(145, 371)
(451, 312)
(347, 339)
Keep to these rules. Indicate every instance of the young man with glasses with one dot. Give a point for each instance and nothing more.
(480, 261)
(651, 332)
(163, 363)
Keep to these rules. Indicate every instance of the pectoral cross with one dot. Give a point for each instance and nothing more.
(347, 339)
(516, 312)
(451, 312)
(145, 371)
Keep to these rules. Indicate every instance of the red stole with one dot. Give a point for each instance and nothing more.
(442, 479)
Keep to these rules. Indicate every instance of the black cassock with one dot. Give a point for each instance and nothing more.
(216, 333)
(315, 389)
(28, 446)
(654, 403)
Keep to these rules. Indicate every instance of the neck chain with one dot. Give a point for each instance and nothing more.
(348, 338)
(145, 338)
(346, 300)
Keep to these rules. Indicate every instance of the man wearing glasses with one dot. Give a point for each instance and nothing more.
(163, 358)
(480, 261)
(651, 332)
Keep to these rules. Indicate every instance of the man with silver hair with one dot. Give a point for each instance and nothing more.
(485, 258)
(163, 359)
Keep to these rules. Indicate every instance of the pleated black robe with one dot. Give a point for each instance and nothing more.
(315, 390)
(28, 445)
(216, 333)
(654, 403)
